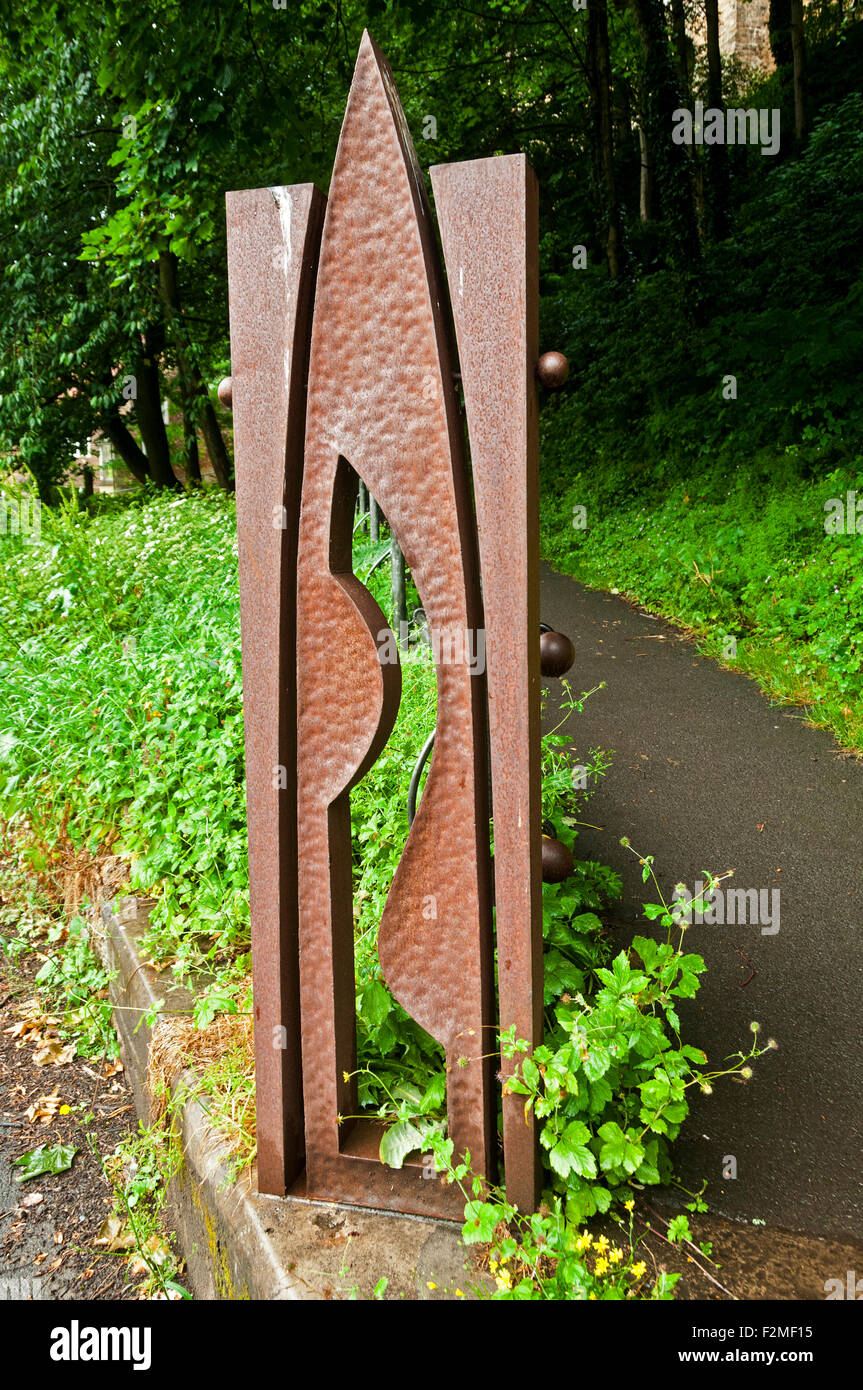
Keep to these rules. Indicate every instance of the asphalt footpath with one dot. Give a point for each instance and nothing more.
(708, 775)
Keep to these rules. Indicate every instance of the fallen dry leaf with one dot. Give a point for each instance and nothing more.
(54, 1054)
(112, 1068)
(55, 1264)
(45, 1108)
(31, 1200)
(58, 1237)
(114, 1235)
(37, 1259)
(88, 1274)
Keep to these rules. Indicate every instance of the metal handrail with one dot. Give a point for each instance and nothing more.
(416, 775)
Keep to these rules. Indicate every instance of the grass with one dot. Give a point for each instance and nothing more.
(748, 569)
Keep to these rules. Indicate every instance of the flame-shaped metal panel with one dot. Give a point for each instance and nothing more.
(381, 408)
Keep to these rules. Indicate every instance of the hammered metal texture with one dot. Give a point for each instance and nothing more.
(381, 408)
(487, 213)
(273, 239)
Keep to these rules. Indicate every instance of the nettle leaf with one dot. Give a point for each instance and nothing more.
(653, 910)
(375, 1004)
(648, 1170)
(687, 987)
(399, 1141)
(530, 1072)
(560, 976)
(655, 1091)
(597, 1062)
(647, 949)
(571, 1154)
(678, 1228)
(600, 1095)
(692, 964)
(585, 1202)
(481, 1222)
(620, 1152)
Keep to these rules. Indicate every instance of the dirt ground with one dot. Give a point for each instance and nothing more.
(749, 1262)
(48, 1224)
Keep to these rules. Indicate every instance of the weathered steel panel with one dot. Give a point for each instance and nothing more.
(487, 213)
(273, 239)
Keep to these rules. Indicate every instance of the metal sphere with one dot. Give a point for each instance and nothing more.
(556, 653)
(552, 369)
(556, 860)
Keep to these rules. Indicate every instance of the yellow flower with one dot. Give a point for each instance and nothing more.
(592, 1295)
(616, 1255)
(639, 1270)
(504, 1280)
(602, 1244)
(601, 1266)
(459, 1294)
(492, 1264)
(430, 1285)
(629, 1205)
(583, 1243)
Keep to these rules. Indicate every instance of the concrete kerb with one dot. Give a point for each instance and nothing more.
(237, 1243)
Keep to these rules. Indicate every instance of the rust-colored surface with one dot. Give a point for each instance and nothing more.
(273, 238)
(487, 212)
(381, 408)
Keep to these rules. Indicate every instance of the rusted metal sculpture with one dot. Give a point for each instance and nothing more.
(344, 375)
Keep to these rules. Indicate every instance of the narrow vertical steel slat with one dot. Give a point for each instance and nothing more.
(488, 217)
(273, 243)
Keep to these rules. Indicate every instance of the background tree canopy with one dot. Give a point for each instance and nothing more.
(122, 127)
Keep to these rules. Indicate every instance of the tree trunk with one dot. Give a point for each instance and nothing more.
(193, 386)
(219, 457)
(661, 98)
(148, 412)
(798, 54)
(645, 183)
(127, 447)
(681, 45)
(599, 77)
(190, 445)
(717, 155)
(779, 25)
